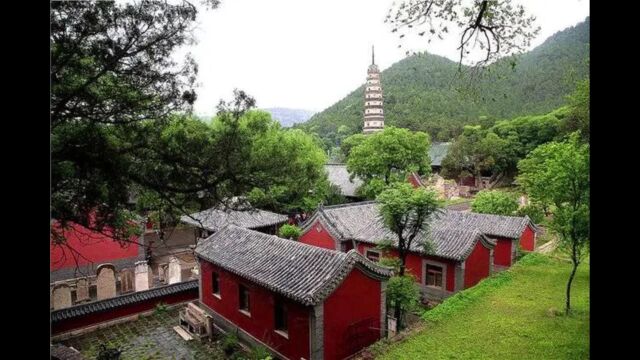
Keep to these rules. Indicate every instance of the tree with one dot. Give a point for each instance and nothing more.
(287, 170)
(290, 232)
(498, 27)
(557, 174)
(579, 118)
(114, 85)
(389, 156)
(407, 212)
(495, 202)
(473, 152)
(403, 293)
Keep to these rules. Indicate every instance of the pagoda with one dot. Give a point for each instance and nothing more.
(373, 104)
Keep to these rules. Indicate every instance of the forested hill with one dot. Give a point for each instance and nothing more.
(421, 92)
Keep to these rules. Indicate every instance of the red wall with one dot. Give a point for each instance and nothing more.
(502, 252)
(320, 239)
(414, 265)
(412, 179)
(261, 323)
(477, 265)
(94, 247)
(126, 310)
(528, 239)
(352, 316)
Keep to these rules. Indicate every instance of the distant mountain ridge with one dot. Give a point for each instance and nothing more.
(418, 91)
(288, 117)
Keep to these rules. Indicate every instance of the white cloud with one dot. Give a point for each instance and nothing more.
(310, 54)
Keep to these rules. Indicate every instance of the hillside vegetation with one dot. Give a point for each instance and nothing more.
(422, 93)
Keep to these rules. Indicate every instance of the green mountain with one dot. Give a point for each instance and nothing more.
(424, 92)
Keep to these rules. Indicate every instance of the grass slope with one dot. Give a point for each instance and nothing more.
(507, 317)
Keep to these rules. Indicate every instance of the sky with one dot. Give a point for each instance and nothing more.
(308, 55)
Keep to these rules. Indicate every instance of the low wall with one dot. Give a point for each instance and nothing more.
(91, 314)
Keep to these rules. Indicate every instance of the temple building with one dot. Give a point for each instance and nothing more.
(373, 103)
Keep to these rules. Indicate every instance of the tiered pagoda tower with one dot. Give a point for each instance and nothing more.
(373, 103)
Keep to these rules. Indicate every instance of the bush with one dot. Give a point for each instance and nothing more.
(533, 211)
(403, 290)
(230, 343)
(495, 202)
(107, 353)
(161, 308)
(391, 262)
(259, 353)
(289, 232)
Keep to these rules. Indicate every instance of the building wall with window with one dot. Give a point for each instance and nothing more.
(416, 264)
(260, 320)
(318, 236)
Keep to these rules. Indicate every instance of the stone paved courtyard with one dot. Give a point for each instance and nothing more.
(150, 337)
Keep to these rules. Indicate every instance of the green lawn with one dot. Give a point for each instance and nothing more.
(507, 316)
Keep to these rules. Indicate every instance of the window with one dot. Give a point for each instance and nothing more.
(434, 276)
(215, 284)
(373, 255)
(281, 318)
(243, 294)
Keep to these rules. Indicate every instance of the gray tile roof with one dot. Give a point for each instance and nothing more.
(453, 233)
(491, 225)
(304, 273)
(446, 241)
(339, 176)
(216, 218)
(345, 220)
(437, 152)
(112, 303)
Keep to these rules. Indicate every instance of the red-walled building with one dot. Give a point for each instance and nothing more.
(295, 299)
(86, 249)
(510, 232)
(475, 237)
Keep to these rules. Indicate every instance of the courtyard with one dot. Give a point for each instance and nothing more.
(149, 337)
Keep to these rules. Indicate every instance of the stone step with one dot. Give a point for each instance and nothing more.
(183, 334)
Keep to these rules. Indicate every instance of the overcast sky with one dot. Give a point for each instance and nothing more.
(309, 54)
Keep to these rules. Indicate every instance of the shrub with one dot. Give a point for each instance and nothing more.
(289, 232)
(107, 353)
(391, 262)
(161, 308)
(534, 211)
(259, 353)
(495, 202)
(230, 343)
(403, 290)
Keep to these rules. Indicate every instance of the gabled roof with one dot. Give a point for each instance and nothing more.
(339, 176)
(437, 152)
(453, 233)
(490, 225)
(446, 241)
(304, 273)
(345, 220)
(216, 218)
